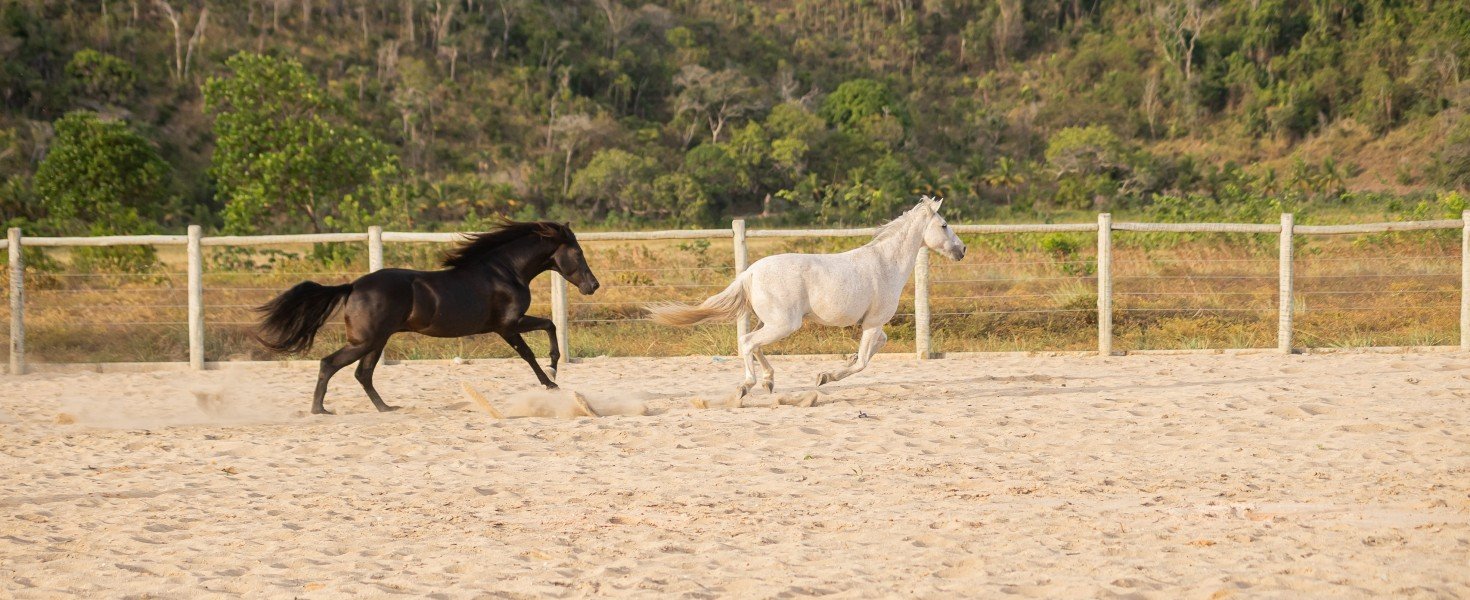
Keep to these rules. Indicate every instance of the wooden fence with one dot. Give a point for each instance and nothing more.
(375, 237)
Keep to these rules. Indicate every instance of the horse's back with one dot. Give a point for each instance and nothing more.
(386, 284)
(454, 303)
(833, 289)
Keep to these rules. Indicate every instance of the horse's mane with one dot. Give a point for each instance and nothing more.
(893, 227)
(478, 246)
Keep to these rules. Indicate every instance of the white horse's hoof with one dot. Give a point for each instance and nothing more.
(742, 391)
(824, 378)
(770, 387)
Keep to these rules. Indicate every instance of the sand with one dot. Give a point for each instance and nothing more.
(1198, 476)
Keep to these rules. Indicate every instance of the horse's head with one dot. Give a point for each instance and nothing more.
(937, 234)
(569, 260)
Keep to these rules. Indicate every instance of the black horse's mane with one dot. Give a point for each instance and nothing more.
(478, 246)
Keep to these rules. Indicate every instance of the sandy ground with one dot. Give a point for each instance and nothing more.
(1143, 476)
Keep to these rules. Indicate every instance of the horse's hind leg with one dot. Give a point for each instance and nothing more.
(872, 341)
(750, 349)
(365, 369)
(334, 362)
(768, 375)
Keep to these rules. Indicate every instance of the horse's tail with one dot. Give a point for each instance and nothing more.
(293, 318)
(726, 305)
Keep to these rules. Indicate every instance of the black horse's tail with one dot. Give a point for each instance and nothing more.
(293, 318)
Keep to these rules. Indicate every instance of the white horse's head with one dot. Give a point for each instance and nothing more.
(937, 234)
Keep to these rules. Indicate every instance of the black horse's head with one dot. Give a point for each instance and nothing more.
(569, 260)
(536, 245)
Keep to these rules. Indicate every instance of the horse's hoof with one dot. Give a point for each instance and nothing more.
(824, 378)
(321, 411)
(552, 386)
(551, 373)
(388, 408)
(770, 387)
(742, 391)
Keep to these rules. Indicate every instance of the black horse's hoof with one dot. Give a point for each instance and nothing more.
(321, 411)
(552, 386)
(388, 408)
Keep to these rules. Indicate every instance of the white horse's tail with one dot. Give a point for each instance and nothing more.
(725, 306)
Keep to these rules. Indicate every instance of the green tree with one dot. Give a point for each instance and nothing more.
(1091, 163)
(32, 55)
(718, 173)
(99, 178)
(1005, 175)
(102, 176)
(680, 198)
(713, 99)
(617, 180)
(284, 155)
(858, 100)
(794, 133)
(101, 76)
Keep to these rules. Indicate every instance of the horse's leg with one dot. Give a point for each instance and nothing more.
(365, 369)
(750, 349)
(519, 344)
(334, 362)
(537, 323)
(768, 375)
(873, 340)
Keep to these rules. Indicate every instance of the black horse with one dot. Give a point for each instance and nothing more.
(484, 289)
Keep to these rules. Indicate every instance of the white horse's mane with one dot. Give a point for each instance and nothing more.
(894, 226)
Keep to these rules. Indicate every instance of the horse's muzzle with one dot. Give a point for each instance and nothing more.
(588, 286)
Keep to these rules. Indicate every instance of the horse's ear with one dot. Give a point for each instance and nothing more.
(549, 230)
(934, 203)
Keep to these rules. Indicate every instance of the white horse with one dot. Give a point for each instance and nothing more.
(857, 287)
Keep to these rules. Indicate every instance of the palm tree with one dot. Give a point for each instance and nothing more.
(1005, 175)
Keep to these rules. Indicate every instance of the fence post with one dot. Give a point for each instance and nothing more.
(375, 248)
(1105, 284)
(1283, 327)
(196, 298)
(922, 341)
(17, 304)
(560, 315)
(1464, 282)
(742, 260)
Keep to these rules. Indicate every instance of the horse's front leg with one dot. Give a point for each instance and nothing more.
(519, 344)
(528, 323)
(873, 340)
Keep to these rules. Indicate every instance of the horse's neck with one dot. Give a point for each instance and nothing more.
(524, 259)
(899, 251)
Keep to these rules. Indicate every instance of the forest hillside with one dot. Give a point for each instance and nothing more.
(318, 115)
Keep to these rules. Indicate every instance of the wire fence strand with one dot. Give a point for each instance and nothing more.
(1047, 293)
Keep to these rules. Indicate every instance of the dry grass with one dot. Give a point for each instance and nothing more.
(1013, 292)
